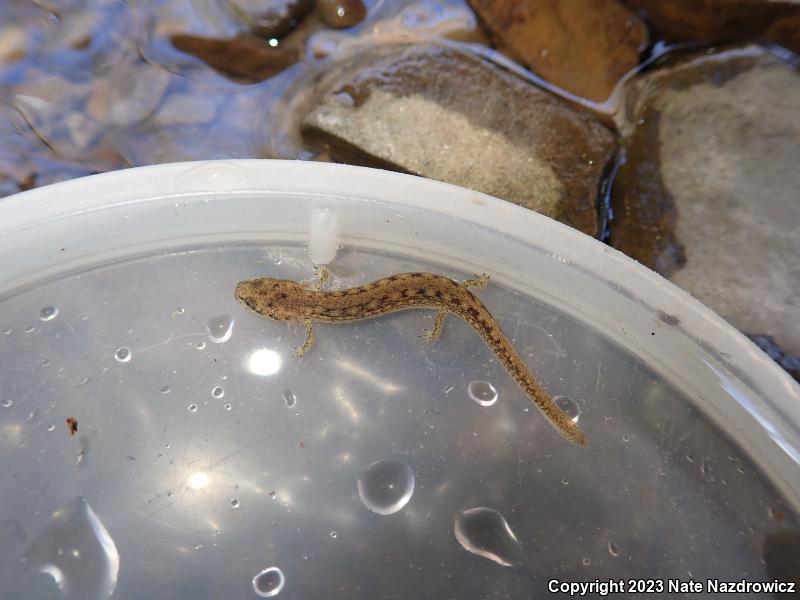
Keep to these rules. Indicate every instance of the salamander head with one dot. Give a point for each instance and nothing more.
(271, 298)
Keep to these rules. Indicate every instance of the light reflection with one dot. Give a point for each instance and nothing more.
(363, 374)
(349, 408)
(264, 362)
(198, 481)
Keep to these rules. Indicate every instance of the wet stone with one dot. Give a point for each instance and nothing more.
(439, 112)
(341, 13)
(271, 18)
(582, 46)
(243, 58)
(708, 196)
(713, 20)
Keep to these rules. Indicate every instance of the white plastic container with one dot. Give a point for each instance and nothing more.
(210, 463)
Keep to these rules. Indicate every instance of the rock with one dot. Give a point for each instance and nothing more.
(440, 112)
(708, 195)
(186, 109)
(128, 95)
(582, 46)
(341, 14)
(713, 20)
(271, 18)
(243, 58)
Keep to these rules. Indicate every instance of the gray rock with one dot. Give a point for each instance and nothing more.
(441, 112)
(712, 180)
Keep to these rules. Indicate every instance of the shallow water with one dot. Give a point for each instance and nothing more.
(221, 466)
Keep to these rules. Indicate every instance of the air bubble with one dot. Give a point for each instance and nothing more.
(586, 561)
(48, 313)
(193, 407)
(234, 503)
(6, 331)
(482, 392)
(228, 406)
(218, 392)
(485, 532)
(220, 329)
(569, 406)
(269, 582)
(386, 486)
(200, 345)
(613, 549)
(334, 535)
(289, 398)
(7, 403)
(123, 354)
(76, 550)
(165, 389)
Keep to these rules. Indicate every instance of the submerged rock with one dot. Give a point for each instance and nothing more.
(708, 195)
(440, 112)
(341, 14)
(582, 46)
(242, 58)
(715, 20)
(273, 18)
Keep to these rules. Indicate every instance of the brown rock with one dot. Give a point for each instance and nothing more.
(273, 18)
(712, 20)
(443, 113)
(582, 46)
(341, 13)
(709, 192)
(242, 58)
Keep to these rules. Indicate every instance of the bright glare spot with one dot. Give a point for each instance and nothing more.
(272, 42)
(264, 362)
(198, 481)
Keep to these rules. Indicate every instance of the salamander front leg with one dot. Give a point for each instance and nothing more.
(309, 339)
(477, 282)
(323, 277)
(432, 334)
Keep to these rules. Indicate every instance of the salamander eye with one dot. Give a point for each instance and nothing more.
(250, 302)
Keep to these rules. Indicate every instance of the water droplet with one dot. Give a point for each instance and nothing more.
(218, 392)
(165, 389)
(613, 549)
(482, 392)
(30, 329)
(564, 482)
(6, 331)
(626, 438)
(290, 398)
(51, 427)
(48, 313)
(7, 403)
(234, 503)
(123, 354)
(269, 582)
(386, 486)
(569, 406)
(198, 546)
(334, 535)
(77, 551)
(586, 561)
(228, 406)
(193, 407)
(485, 532)
(220, 329)
(200, 345)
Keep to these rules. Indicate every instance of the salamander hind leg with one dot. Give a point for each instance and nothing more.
(432, 334)
(323, 277)
(477, 282)
(300, 351)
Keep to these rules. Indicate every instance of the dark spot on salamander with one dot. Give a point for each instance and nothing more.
(251, 303)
